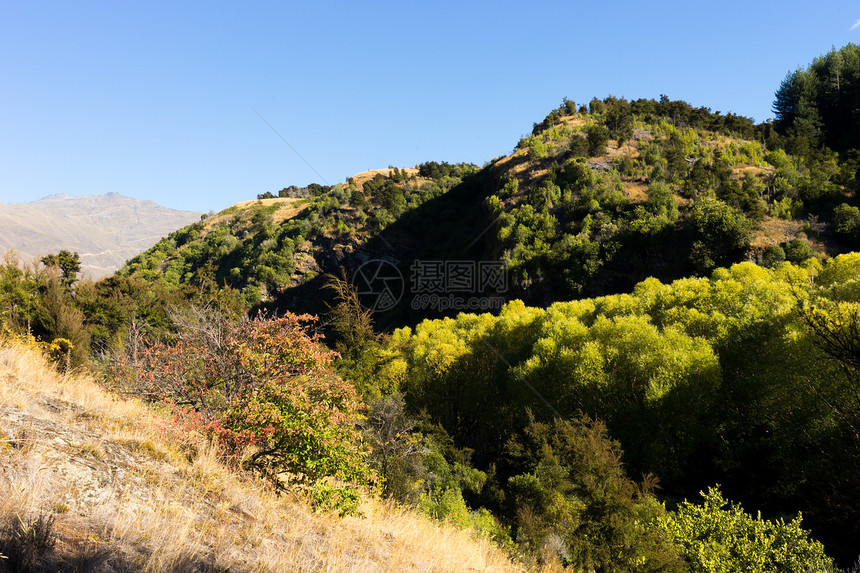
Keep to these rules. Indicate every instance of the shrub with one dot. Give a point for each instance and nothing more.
(597, 137)
(578, 146)
(797, 251)
(721, 232)
(265, 389)
(577, 493)
(772, 256)
(718, 537)
(846, 224)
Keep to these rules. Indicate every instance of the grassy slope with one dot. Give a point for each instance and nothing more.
(128, 492)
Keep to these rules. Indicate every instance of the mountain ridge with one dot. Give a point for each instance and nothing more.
(595, 200)
(105, 230)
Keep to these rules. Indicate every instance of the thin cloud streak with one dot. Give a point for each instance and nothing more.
(855, 26)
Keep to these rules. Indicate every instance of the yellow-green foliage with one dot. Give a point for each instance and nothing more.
(752, 153)
(719, 537)
(617, 348)
(668, 367)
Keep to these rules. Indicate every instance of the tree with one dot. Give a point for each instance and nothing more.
(846, 224)
(596, 106)
(619, 119)
(396, 449)
(575, 500)
(597, 137)
(719, 537)
(68, 263)
(661, 199)
(798, 250)
(820, 104)
(568, 106)
(787, 99)
(772, 256)
(358, 345)
(722, 232)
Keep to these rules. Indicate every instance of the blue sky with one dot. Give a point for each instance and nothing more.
(160, 100)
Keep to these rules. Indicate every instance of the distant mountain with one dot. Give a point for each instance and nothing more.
(105, 230)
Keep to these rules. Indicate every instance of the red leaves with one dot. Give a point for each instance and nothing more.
(265, 387)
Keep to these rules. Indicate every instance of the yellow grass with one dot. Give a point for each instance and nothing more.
(361, 178)
(287, 207)
(117, 478)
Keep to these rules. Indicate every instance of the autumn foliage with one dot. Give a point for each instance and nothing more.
(264, 388)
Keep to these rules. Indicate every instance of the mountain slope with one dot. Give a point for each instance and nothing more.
(595, 200)
(123, 490)
(105, 230)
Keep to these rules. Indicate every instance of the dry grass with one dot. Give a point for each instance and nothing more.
(361, 178)
(636, 191)
(129, 493)
(287, 208)
(775, 231)
(741, 171)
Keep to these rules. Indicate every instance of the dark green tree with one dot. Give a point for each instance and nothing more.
(619, 119)
(846, 224)
(68, 263)
(820, 104)
(576, 492)
(798, 250)
(597, 137)
(772, 256)
(722, 233)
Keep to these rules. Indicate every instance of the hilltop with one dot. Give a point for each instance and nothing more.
(594, 200)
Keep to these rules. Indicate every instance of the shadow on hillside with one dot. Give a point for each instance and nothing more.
(457, 227)
(452, 227)
(33, 546)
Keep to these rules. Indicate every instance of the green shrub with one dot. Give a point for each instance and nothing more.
(577, 493)
(265, 389)
(846, 224)
(719, 537)
(797, 251)
(772, 256)
(597, 137)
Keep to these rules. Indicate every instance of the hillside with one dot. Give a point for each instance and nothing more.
(631, 344)
(105, 230)
(275, 249)
(596, 199)
(120, 489)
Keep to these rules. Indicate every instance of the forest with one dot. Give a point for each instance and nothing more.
(672, 382)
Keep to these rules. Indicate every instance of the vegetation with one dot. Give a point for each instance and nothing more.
(719, 537)
(818, 105)
(96, 482)
(680, 311)
(263, 388)
(260, 254)
(668, 369)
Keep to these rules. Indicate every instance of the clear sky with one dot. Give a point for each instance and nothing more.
(163, 100)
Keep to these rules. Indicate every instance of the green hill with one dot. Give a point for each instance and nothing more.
(595, 200)
(643, 305)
